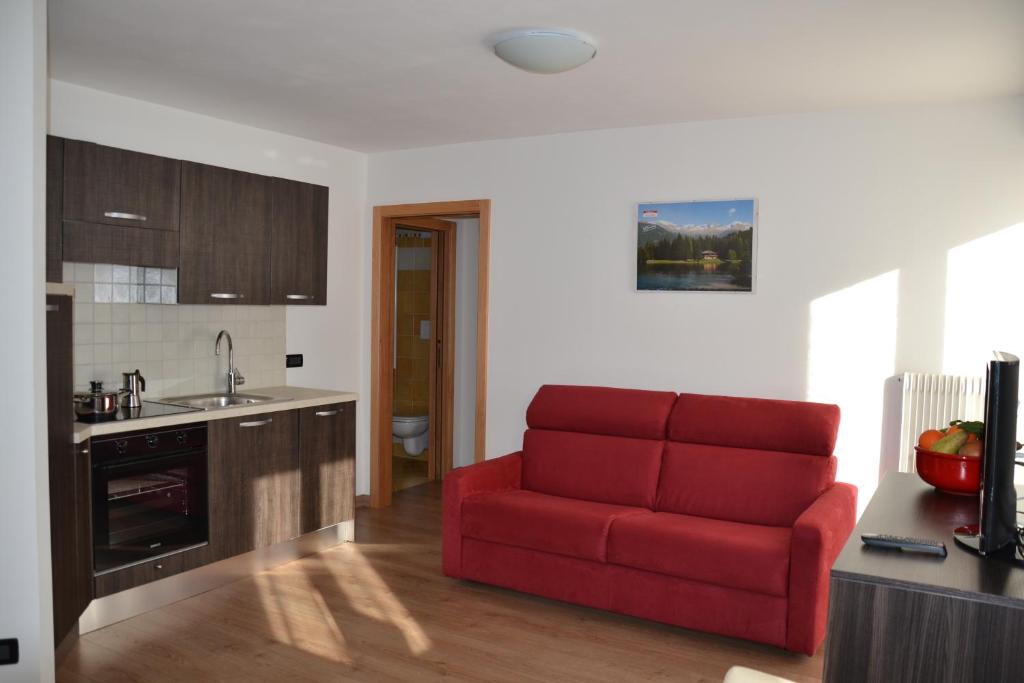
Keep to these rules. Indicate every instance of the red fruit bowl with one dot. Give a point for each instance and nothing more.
(959, 474)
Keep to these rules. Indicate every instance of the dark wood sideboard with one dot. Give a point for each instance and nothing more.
(897, 616)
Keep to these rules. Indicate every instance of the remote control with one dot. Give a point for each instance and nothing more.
(914, 545)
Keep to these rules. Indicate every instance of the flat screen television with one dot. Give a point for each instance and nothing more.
(997, 521)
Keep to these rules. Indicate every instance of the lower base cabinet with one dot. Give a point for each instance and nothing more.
(271, 477)
(326, 465)
(253, 467)
(70, 539)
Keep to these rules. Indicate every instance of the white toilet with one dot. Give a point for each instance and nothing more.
(413, 431)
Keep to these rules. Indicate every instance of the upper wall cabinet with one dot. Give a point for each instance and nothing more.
(236, 238)
(298, 238)
(225, 236)
(113, 186)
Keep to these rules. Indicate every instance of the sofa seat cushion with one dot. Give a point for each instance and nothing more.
(732, 554)
(528, 519)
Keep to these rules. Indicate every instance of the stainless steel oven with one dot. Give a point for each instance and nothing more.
(149, 495)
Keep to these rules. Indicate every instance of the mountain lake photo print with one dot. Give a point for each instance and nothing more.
(705, 246)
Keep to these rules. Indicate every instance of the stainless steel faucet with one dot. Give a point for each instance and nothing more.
(234, 376)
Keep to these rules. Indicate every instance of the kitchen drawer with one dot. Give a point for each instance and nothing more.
(139, 574)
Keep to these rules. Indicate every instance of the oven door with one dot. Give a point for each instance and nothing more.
(147, 507)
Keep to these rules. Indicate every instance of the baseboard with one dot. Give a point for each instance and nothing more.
(363, 501)
(135, 601)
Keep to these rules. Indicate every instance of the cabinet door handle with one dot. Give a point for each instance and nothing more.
(326, 413)
(125, 216)
(256, 423)
(226, 295)
(52, 308)
(299, 297)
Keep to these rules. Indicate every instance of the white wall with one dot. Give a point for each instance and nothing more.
(25, 596)
(467, 242)
(859, 213)
(329, 336)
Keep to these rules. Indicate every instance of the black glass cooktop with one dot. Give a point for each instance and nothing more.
(148, 409)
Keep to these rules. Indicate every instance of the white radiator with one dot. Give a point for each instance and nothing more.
(931, 402)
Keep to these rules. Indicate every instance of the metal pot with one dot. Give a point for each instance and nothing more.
(96, 405)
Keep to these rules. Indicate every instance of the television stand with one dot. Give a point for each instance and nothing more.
(894, 616)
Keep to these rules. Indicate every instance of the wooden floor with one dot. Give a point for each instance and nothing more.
(380, 610)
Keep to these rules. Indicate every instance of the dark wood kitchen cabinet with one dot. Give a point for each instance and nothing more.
(70, 541)
(235, 237)
(298, 243)
(225, 236)
(89, 243)
(108, 205)
(327, 453)
(109, 186)
(253, 467)
(54, 207)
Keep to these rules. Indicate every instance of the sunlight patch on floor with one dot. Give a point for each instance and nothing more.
(371, 596)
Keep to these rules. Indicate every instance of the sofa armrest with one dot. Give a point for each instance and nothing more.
(490, 475)
(819, 533)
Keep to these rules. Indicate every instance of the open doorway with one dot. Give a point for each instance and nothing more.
(422, 373)
(423, 347)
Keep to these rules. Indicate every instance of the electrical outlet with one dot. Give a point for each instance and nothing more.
(9, 651)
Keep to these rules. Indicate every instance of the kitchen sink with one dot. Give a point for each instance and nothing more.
(213, 401)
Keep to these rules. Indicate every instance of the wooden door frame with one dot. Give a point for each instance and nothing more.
(383, 327)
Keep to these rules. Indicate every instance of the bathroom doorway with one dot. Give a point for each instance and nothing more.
(424, 325)
(426, 338)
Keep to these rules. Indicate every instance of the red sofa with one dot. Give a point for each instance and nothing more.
(709, 512)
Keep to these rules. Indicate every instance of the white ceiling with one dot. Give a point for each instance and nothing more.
(372, 75)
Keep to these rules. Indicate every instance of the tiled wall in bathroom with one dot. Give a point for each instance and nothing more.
(172, 345)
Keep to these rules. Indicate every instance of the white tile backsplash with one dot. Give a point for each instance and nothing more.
(171, 345)
(176, 356)
(153, 276)
(106, 283)
(102, 292)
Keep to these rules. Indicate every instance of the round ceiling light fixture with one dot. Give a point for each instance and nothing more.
(545, 50)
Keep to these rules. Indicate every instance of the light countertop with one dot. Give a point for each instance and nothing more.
(285, 398)
(60, 288)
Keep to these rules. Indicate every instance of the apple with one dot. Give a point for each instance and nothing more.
(972, 449)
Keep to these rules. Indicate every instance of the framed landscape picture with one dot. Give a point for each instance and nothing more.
(701, 246)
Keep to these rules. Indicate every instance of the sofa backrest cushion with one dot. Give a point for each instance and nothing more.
(758, 423)
(596, 443)
(751, 460)
(595, 467)
(601, 410)
(741, 484)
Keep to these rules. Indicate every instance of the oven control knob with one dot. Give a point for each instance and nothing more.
(181, 437)
(152, 440)
(121, 445)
